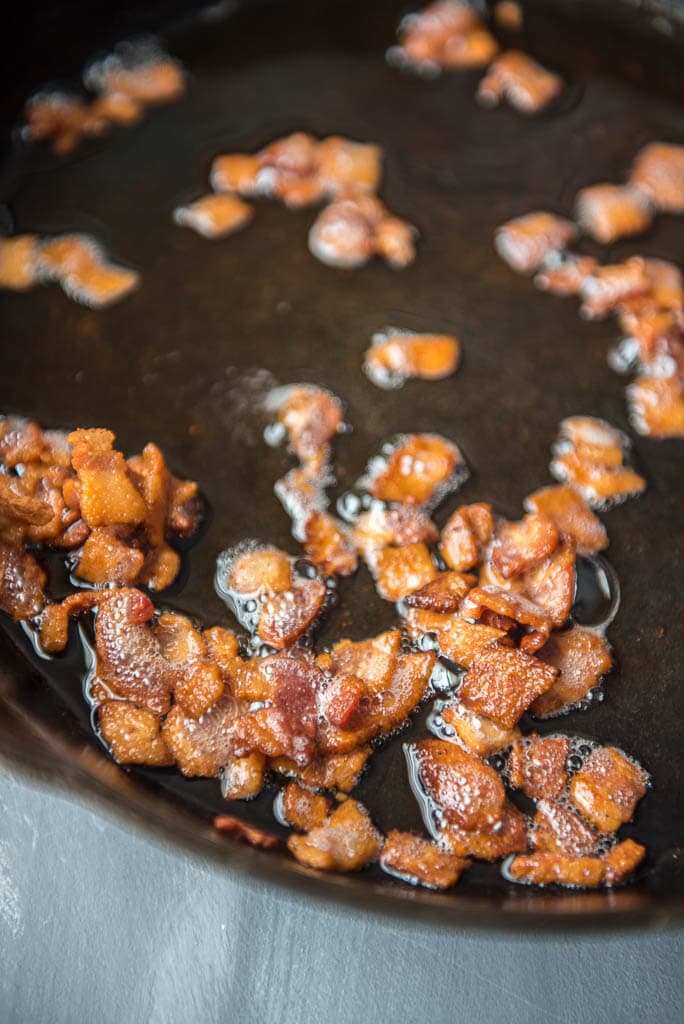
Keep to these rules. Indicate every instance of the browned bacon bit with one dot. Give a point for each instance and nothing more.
(466, 792)
(538, 766)
(509, 15)
(285, 617)
(236, 172)
(611, 286)
(118, 108)
(442, 594)
(551, 584)
(54, 622)
(340, 772)
(22, 582)
(381, 527)
(658, 172)
(302, 494)
(104, 558)
(466, 534)
(233, 826)
(524, 83)
(656, 406)
(346, 841)
(445, 34)
(478, 733)
(622, 860)
(546, 868)
(559, 829)
(415, 469)
(18, 262)
(342, 700)
(508, 836)
(608, 212)
(608, 788)
(564, 273)
(133, 733)
(328, 545)
(589, 455)
(302, 809)
(502, 682)
(395, 356)
(201, 746)
(518, 546)
(343, 164)
(199, 689)
(400, 571)
(527, 242)
(355, 227)
(140, 71)
(458, 640)
(86, 276)
(582, 658)
(311, 417)
(572, 516)
(420, 862)
(243, 777)
(260, 570)
(373, 660)
(63, 120)
(533, 620)
(107, 494)
(214, 216)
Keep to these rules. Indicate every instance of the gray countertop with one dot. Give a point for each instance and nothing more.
(86, 937)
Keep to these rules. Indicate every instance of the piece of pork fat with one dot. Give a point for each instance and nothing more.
(607, 788)
(582, 658)
(517, 78)
(345, 841)
(419, 861)
(527, 242)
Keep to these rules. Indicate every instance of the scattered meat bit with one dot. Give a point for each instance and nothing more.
(608, 212)
(656, 406)
(420, 862)
(201, 746)
(533, 619)
(342, 700)
(608, 788)
(214, 216)
(260, 570)
(416, 469)
(106, 559)
(302, 809)
(381, 527)
(551, 584)
(236, 172)
(199, 689)
(80, 267)
(502, 682)
(582, 658)
(118, 108)
(622, 860)
(445, 34)
(140, 71)
(346, 841)
(572, 516)
(243, 777)
(613, 285)
(311, 416)
(559, 829)
(458, 640)
(18, 262)
(248, 833)
(328, 545)
(285, 617)
(22, 582)
(61, 119)
(442, 594)
(400, 571)
(466, 791)
(538, 766)
(343, 164)
(527, 242)
(107, 495)
(654, 342)
(508, 836)
(509, 15)
(545, 868)
(133, 734)
(565, 273)
(372, 660)
(395, 356)
(519, 546)
(301, 492)
(524, 83)
(479, 734)
(589, 454)
(355, 227)
(466, 534)
(54, 622)
(658, 173)
(472, 50)
(340, 772)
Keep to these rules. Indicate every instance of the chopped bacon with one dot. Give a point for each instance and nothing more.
(256, 837)
(658, 173)
(302, 492)
(478, 733)
(442, 594)
(589, 454)
(214, 216)
(622, 860)
(507, 836)
(311, 416)
(117, 107)
(611, 286)
(140, 71)
(22, 582)
(80, 267)
(656, 406)
(54, 621)
(286, 616)
(559, 829)
(340, 772)
(509, 15)
(380, 527)
(354, 227)
(608, 212)
(466, 534)
(201, 746)
(520, 80)
(440, 36)
(533, 620)
(374, 661)
(19, 262)
(551, 584)
(243, 777)
(565, 273)
(63, 120)
(608, 788)
(466, 791)
(396, 356)
(107, 495)
(502, 682)
(418, 469)
(458, 640)
(400, 571)
(525, 243)
(302, 809)
(346, 841)
(473, 49)
(344, 164)
(538, 766)
(420, 862)
(260, 570)
(519, 546)
(133, 734)
(342, 700)
(199, 688)
(328, 545)
(546, 868)
(572, 516)
(236, 172)
(104, 558)
(582, 658)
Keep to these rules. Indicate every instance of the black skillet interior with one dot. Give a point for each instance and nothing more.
(186, 359)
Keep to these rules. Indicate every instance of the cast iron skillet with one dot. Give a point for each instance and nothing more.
(185, 360)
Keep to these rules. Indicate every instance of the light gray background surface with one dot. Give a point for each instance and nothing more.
(83, 939)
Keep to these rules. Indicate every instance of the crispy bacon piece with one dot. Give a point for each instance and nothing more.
(508, 836)
(22, 582)
(118, 108)
(243, 777)
(214, 216)
(342, 700)
(396, 356)
(302, 809)
(524, 83)
(478, 733)
(458, 640)
(546, 868)
(373, 661)
(658, 172)
(104, 558)
(54, 622)
(608, 788)
(260, 570)
(622, 860)
(656, 406)
(442, 594)
(466, 534)
(400, 571)
(233, 826)
(559, 829)
(346, 841)
(381, 527)
(502, 682)
(328, 545)
(466, 792)
(340, 772)
(201, 746)
(538, 766)
(106, 492)
(78, 264)
(565, 273)
(533, 620)
(140, 71)
(355, 227)
(654, 342)
(551, 584)
(63, 120)
(445, 34)
(199, 689)
(312, 417)
(285, 617)
(133, 734)
(301, 492)
(236, 172)
(582, 658)
(343, 164)
(572, 516)
(19, 262)
(509, 15)
(589, 454)
(611, 286)
(519, 546)
(527, 242)
(420, 862)
(608, 212)
(416, 469)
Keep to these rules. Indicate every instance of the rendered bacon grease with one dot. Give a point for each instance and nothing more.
(396, 356)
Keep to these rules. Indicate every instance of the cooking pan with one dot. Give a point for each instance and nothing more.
(186, 360)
